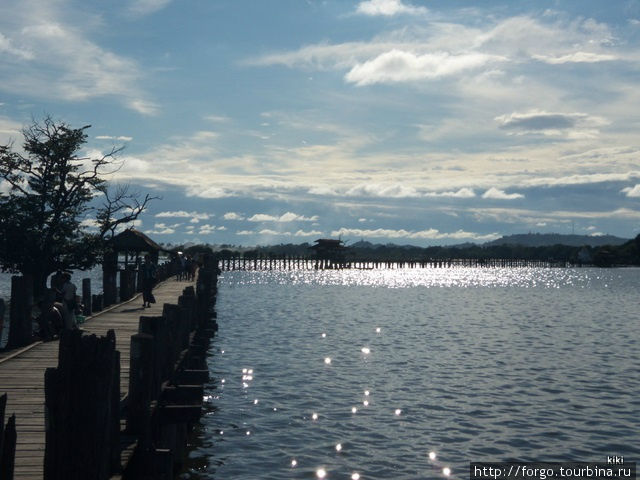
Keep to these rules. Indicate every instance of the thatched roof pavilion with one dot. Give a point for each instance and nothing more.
(132, 240)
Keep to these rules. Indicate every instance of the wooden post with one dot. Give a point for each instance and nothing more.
(3, 308)
(96, 303)
(140, 384)
(157, 328)
(86, 297)
(82, 409)
(109, 278)
(8, 439)
(20, 328)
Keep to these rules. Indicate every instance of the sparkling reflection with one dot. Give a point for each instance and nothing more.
(448, 334)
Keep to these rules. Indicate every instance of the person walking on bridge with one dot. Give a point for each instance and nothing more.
(149, 278)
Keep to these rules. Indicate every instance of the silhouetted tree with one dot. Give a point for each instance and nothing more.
(46, 197)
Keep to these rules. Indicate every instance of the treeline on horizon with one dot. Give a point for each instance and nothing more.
(627, 253)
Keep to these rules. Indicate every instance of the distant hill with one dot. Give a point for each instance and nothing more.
(549, 239)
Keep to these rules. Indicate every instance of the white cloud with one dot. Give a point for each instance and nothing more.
(206, 229)
(311, 233)
(205, 191)
(269, 232)
(633, 192)
(194, 217)
(59, 61)
(430, 234)
(383, 190)
(7, 46)
(404, 66)
(576, 57)
(232, 216)
(160, 231)
(245, 232)
(461, 193)
(90, 223)
(111, 137)
(387, 8)
(285, 217)
(497, 194)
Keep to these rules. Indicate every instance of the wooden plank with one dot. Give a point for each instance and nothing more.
(22, 374)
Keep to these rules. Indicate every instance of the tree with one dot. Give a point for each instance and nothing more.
(47, 195)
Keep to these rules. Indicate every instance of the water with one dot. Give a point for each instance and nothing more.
(364, 373)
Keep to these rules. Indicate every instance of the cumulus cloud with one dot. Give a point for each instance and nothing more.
(232, 216)
(429, 234)
(633, 192)
(269, 232)
(387, 8)
(285, 217)
(162, 229)
(497, 194)
(404, 66)
(206, 229)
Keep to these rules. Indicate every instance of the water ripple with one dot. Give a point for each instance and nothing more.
(473, 364)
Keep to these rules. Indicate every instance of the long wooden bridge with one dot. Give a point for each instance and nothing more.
(259, 263)
(22, 373)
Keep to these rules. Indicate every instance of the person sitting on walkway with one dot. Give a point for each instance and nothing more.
(149, 277)
(50, 321)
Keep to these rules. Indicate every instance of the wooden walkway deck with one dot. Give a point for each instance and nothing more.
(22, 373)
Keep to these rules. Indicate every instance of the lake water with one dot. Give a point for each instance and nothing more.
(363, 373)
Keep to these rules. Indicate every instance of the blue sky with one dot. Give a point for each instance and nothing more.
(413, 122)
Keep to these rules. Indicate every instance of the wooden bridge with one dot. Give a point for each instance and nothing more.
(311, 263)
(22, 374)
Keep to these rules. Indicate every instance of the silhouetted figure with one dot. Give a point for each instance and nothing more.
(68, 291)
(149, 278)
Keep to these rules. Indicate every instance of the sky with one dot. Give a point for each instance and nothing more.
(392, 121)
